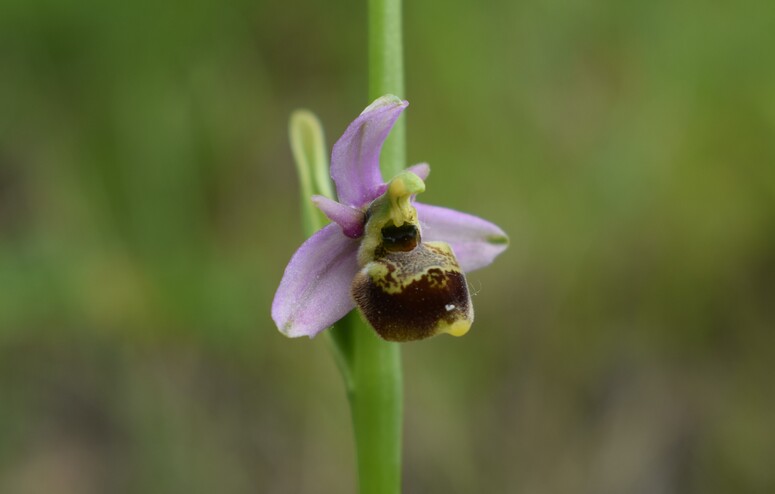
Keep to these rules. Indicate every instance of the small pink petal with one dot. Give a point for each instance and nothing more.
(422, 170)
(350, 219)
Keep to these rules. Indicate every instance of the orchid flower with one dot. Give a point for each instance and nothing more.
(399, 261)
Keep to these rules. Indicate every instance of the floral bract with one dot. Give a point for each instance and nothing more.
(401, 261)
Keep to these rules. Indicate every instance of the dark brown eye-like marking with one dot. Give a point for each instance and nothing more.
(399, 238)
(413, 293)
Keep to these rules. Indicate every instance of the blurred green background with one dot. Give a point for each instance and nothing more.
(148, 205)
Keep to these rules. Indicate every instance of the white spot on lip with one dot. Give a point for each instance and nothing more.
(449, 307)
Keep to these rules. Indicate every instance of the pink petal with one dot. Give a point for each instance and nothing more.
(355, 156)
(350, 219)
(315, 290)
(422, 170)
(476, 242)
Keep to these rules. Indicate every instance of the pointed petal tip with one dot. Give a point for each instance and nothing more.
(285, 322)
(295, 328)
(422, 170)
(291, 330)
(498, 239)
(386, 100)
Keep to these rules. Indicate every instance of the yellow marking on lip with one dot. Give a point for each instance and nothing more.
(394, 273)
(457, 328)
(378, 273)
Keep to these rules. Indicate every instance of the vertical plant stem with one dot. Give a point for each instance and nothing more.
(376, 395)
(377, 405)
(386, 74)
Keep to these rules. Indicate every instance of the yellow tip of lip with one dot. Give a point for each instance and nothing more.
(457, 328)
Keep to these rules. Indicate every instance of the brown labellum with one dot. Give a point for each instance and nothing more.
(413, 290)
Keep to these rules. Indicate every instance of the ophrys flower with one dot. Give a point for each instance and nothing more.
(400, 262)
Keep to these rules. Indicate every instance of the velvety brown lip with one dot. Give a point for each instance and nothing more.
(407, 295)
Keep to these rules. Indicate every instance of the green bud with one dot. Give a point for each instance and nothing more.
(308, 146)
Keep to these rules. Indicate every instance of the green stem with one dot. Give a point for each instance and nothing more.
(386, 74)
(376, 393)
(370, 366)
(377, 404)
